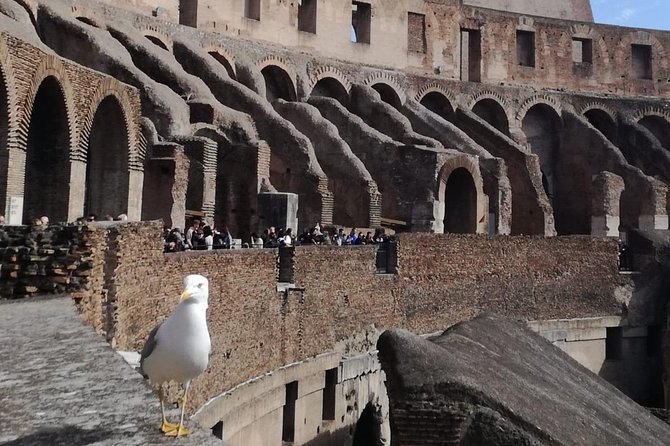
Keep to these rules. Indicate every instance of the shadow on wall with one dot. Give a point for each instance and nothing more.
(70, 435)
(368, 431)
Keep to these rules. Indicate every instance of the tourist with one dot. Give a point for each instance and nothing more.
(352, 238)
(368, 239)
(2, 219)
(190, 231)
(256, 241)
(37, 222)
(339, 238)
(208, 236)
(287, 240)
(45, 220)
(122, 217)
(107, 217)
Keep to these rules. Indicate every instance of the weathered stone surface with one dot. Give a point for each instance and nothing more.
(65, 385)
(491, 381)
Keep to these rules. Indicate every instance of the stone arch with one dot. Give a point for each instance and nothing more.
(107, 166)
(602, 119)
(279, 81)
(48, 146)
(659, 125)
(387, 94)
(51, 66)
(225, 58)
(535, 100)
(158, 37)
(438, 103)
(332, 88)
(136, 144)
(85, 15)
(459, 193)
(389, 84)
(329, 72)
(491, 109)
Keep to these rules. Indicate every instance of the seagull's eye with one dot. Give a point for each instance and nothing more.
(200, 285)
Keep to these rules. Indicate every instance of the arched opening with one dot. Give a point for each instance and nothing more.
(659, 127)
(493, 113)
(278, 84)
(460, 203)
(87, 21)
(368, 427)
(47, 157)
(107, 175)
(603, 122)
(388, 95)
(542, 125)
(158, 42)
(223, 61)
(438, 104)
(331, 88)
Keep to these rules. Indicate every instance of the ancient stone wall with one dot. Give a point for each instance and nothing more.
(338, 302)
(35, 79)
(45, 260)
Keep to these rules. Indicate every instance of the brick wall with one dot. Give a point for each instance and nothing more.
(45, 260)
(338, 301)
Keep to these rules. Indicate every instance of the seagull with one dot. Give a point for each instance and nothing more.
(178, 349)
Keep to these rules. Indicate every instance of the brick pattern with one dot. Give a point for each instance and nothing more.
(338, 301)
(416, 32)
(56, 259)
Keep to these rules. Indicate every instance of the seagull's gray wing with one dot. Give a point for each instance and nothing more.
(149, 346)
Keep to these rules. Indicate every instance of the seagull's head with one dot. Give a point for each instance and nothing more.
(196, 289)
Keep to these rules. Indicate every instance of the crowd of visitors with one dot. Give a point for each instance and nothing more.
(202, 236)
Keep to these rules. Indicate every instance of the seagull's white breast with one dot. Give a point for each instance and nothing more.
(182, 346)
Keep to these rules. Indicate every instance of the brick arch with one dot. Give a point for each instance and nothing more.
(495, 96)
(470, 164)
(156, 33)
(326, 71)
(108, 88)
(597, 106)
(9, 78)
(435, 88)
(659, 56)
(80, 12)
(586, 31)
(225, 54)
(651, 111)
(385, 78)
(51, 66)
(280, 63)
(535, 100)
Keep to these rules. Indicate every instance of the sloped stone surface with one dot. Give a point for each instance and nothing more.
(491, 381)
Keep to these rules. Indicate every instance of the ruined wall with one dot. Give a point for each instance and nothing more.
(563, 9)
(339, 303)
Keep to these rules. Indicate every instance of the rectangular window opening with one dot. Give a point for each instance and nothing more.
(328, 412)
(641, 61)
(188, 13)
(614, 343)
(582, 50)
(307, 16)
(361, 21)
(471, 55)
(416, 32)
(288, 424)
(525, 48)
(654, 340)
(252, 9)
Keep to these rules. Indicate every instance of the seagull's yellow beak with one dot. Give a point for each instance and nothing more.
(185, 295)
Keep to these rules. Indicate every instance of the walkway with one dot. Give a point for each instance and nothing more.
(62, 384)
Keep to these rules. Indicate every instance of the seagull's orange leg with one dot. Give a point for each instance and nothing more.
(165, 426)
(181, 430)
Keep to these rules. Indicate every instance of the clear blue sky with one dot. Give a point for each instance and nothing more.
(653, 14)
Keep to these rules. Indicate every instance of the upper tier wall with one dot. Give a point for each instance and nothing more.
(558, 9)
(426, 37)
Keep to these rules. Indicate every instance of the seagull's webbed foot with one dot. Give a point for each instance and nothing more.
(166, 426)
(179, 431)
